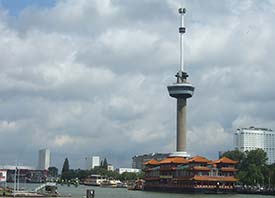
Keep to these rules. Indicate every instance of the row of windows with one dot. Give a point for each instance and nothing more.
(188, 173)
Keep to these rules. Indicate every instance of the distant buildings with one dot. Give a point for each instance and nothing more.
(128, 170)
(44, 157)
(247, 139)
(24, 174)
(110, 167)
(139, 160)
(92, 162)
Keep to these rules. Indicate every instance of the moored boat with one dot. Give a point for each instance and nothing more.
(111, 183)
(94, 180)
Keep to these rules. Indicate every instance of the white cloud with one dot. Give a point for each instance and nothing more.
(6, 126)
(81, 77)
(62, 140)
(209, 139)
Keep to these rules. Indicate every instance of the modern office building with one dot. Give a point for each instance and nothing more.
(92, 162)
(247, 139)
(44, 157)
(139, 160)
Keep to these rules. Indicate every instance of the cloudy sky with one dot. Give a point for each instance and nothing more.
(89, 77)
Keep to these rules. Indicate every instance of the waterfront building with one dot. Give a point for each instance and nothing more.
(110, 167)
(25, 174)
(196, 174)
(128, 170)
(247, 139)
(44, 157)
(92, 162)
(139, 160)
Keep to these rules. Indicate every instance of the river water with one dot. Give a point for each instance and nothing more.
(80, 192)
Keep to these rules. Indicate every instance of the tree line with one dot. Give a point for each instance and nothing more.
(70, 174)
(252, 167)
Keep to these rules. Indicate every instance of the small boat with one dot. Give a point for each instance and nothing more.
(137, 185)
(111, 184)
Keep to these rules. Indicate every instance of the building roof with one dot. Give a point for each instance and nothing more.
(198, 159)
(225, 160)
(174, 160)
(152, 162)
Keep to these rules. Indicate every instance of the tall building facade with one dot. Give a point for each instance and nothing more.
(92, 162)
(247, 139)
(44, 158)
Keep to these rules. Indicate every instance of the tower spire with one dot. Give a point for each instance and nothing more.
(182, 29)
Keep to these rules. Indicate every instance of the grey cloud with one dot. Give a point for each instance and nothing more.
(88, 78)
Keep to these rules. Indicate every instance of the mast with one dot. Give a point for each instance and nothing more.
(182, 29)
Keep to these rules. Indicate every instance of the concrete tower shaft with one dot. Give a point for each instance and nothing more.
(181, 90)
(181, 124)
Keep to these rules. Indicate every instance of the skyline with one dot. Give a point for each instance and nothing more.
(84, 78)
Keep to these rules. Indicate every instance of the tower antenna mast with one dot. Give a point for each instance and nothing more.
(182, 29)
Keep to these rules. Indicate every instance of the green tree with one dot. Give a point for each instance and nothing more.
(237, 156)
(271, 175)
(53, 171)
(257, 157)
(129, 176)
(65, 169)
(252, 167)
(104, 164)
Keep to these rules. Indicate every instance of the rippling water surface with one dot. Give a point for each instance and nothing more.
(80, 192)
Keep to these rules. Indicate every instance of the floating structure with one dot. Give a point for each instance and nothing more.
(193, 175)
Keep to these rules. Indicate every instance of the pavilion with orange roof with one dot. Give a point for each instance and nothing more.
(195, 174)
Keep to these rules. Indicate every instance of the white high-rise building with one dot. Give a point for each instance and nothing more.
(247, 139)
(92, 162)
(44, 157)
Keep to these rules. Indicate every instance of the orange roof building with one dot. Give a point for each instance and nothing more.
(174, 160)
(225, 160)
(152, 162)
(196, 174)
(198, 159)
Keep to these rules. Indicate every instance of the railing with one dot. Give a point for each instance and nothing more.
(44, 185)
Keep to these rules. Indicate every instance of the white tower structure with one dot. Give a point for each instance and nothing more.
(44, 157)
(181, 90)
(247, 139)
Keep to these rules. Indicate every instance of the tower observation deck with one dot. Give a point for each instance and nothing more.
(181, 90)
